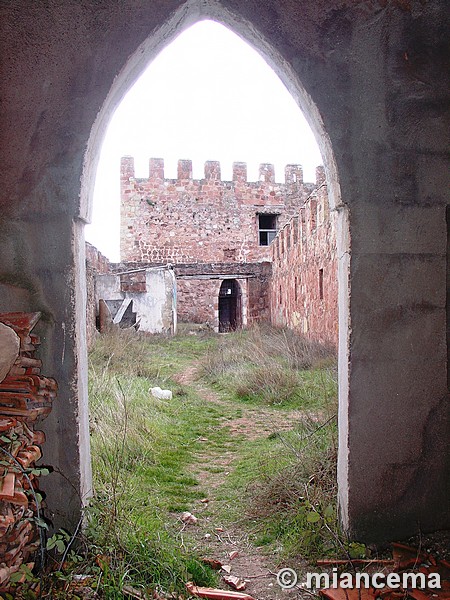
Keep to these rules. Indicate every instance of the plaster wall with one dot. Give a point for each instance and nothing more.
(372, 79)
(154, 305)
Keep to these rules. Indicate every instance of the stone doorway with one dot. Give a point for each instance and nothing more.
(230, 306)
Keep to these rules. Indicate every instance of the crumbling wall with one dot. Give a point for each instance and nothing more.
(95, 263)
(147, 294)
(189, 220)
(303, 290)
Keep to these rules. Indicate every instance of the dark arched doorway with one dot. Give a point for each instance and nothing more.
(230, 306)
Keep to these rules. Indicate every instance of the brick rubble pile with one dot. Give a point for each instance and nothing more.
(25, 399)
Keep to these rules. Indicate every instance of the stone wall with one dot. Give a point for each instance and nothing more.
(198, 291)
(372, 78)
(197, 301)
(95, 263)
(303, 290)
(188, 220)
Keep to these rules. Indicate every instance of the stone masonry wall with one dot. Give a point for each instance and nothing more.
(188, 220)
(198, 288)
(197, 301)
(303, 293)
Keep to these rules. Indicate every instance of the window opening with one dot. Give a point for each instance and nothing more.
(321, 284)
(267, 229)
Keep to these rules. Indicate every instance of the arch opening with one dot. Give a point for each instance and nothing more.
(230, 306)
(188, 15)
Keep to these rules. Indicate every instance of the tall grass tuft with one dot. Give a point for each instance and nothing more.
(295, 503)
(272, 366)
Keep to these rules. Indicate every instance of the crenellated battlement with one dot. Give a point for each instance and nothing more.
(293, 174)
(187, 220)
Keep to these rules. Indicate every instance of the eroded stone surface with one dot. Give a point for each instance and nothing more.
(303, 286)
(9, 349)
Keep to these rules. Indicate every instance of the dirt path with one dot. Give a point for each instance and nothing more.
(214, 539)
(255, 422)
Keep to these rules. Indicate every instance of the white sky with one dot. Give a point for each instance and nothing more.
(206, 96)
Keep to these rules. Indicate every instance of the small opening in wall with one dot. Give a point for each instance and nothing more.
(267, 227)
(321, 284)
(230, 306)
(280, 297)
(296, 288)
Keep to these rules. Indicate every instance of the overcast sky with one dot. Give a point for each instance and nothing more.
(207, 96)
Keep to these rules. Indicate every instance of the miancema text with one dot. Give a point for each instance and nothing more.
(374, 580)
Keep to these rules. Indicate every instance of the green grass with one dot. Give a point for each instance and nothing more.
(156, 357)
(272, 367)
(144, 450)
(282, 487)
(280, 483)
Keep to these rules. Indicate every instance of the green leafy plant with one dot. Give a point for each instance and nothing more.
(59, 541)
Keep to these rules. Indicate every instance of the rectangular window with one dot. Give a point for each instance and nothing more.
(321, 284)
(267, 229)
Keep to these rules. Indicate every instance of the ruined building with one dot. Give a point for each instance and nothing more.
(372, 78)
(219, 235)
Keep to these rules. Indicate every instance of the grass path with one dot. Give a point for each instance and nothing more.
(212, 536)
(243, 409)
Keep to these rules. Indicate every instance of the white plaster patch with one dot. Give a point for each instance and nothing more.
(9, 349)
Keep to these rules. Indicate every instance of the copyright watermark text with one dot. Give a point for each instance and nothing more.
(288, 579)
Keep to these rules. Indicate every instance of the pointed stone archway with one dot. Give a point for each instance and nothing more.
(370, 76)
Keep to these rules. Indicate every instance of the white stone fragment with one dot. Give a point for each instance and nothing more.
(189, 518)
(160, 394)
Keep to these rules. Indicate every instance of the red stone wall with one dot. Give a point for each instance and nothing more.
(198, 298)
(188, 220)
(303, 291)
(95, 263)
(95, 259)
(197, 301)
